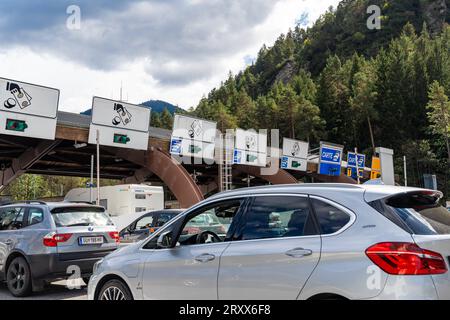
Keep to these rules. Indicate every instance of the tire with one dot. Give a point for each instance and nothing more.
(114, 290)
(18, 277)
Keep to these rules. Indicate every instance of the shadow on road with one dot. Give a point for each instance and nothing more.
(54, 291)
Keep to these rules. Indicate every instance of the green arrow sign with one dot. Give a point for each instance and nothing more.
(296, 164)
(194, 149)
(16, 125)
(121, 138)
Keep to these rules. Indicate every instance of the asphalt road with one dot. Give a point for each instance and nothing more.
(55, 291)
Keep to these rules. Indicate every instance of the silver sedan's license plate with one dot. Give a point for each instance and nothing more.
(90, 240)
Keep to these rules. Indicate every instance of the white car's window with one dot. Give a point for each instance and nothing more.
(330, 218)
(211, 224)
(80, 216)
(277, 217)
(11, 218)
(144, 223)
(416, 212)
(35, 216)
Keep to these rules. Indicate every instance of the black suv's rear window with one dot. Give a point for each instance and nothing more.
(416, 212)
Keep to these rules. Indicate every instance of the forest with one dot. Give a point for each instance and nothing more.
(340, 82)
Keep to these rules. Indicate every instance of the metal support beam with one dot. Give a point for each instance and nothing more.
(138, 177)
(333, 179)
(25, 161)
(281, 177)
(172, 173)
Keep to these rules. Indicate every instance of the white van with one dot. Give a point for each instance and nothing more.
(127, 199)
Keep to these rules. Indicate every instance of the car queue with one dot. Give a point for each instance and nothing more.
(308, 241)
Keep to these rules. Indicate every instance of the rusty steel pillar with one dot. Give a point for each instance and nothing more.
(171, 172)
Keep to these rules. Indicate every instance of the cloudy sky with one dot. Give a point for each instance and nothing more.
(172, 50)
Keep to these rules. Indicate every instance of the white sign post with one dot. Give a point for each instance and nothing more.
(250, 148)
(120, 124)
(295, 154)
(28, 110)
(387, 165)
(193, 137)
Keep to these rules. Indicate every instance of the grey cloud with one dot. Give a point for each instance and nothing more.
(181, 39)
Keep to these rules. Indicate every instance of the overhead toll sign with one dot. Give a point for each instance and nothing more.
(351, 164)
(250, 148)
(193, 137)
(119, 124)
(330, 159)
(28, 110)
(295, 154)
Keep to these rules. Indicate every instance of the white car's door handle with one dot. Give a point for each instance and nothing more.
(205, 257)
(299, 252)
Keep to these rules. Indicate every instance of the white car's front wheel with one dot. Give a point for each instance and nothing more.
(115, 290)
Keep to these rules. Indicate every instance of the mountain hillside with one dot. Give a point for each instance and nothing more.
(157, 106)
(341, 82)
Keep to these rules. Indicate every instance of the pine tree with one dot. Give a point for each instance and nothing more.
(439, 114)
(166, 119)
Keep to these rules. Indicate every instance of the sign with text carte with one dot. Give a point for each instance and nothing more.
(193, 137)
(295, 154)
(330, 159)
(250, 148)
(28, 110)
(120, 124)
(351, 164)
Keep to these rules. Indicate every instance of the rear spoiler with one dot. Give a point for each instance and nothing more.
(415, 199)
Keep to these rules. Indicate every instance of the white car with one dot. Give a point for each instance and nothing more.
(305, 241)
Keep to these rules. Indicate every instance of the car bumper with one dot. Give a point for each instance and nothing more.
(92, 286)
(408, 288)
(62, 265)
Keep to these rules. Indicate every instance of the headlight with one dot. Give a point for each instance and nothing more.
(97, 265)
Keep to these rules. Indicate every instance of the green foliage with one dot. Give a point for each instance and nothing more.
(439, 114)
(341, 82)
(166, 119)
(32, 186)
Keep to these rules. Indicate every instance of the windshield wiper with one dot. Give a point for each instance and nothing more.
(82, 224)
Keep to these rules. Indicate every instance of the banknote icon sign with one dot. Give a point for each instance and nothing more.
(123, 115)
(295, 149)
(19, 96)
(250, 142)
(196, 129)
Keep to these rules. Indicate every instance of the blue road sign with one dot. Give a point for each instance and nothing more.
(237, 159)
(351, 160)
(175, 146)
(330, 160)
(284, 162)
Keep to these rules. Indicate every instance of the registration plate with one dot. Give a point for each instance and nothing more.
(90, 240)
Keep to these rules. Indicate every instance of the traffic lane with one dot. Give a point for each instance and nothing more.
(54, 291)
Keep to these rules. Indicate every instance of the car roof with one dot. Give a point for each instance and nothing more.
(53, 205)
(50, 205)
(371, 192)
